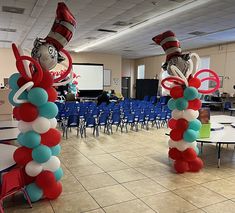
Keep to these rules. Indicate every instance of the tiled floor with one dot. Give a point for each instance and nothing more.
(130, 173)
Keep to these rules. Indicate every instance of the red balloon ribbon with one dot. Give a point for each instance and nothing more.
(214, 78)
(171, 79)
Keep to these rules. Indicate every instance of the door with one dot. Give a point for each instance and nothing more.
(126, 87)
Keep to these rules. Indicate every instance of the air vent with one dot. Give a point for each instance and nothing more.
(107, 31)
(178, 1)
(8, 30)
(197, 33)
(127, 50)
(12, 9)
(90, 38)
(152, 44)
(5, 41)
(122, 23)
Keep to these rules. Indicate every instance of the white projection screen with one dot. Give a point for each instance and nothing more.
(91, 76)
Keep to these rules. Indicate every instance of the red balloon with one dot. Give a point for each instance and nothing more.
(21, 81)
(51, 138)
(195, 104)
(52, 94)
(181, 166)
(28, 112)
(53, 191)
(177, 92)
(195, 165)
(176, 134)
(182, 124)
(189, 154)
(45, 179)
(22, 155)
(174, 154)
(194, 82)
(172, 123)
(47, 80)
(16, 113)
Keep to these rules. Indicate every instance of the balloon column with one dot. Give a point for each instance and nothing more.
(184, 88)
(33, 98)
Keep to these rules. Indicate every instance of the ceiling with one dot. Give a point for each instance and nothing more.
(143, 18)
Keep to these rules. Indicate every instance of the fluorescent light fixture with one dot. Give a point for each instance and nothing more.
(176, 11)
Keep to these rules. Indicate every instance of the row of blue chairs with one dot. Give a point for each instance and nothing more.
(131, 112)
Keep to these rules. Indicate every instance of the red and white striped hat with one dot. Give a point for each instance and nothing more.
(169, 43)
(63, 27)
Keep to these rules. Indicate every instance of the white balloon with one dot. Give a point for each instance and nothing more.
(53, 122)
(33, 168)
(52, 164)
(41, 125)
(24, 126)
(177, 114)
(181, 145)
(190, 114)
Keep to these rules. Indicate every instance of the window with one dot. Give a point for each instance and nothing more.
(205, 64)
(141, 71)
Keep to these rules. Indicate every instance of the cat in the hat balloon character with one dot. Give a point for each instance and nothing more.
(183, 85)
(33, 97)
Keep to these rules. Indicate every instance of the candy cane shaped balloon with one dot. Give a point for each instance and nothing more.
(33, 97)
(184, 88)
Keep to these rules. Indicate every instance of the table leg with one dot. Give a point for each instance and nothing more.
(231, 112)
(219, 149)
(201, 146)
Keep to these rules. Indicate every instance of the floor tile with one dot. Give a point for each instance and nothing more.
(71, 185)
(97, 181)
(86, 170)
(168, 202)
(126, 175)
(196, 211)
(123, 155)
(111, 195)
(173, 181)
(224, 207)
(96, 211)
(223, 187)
(140, 161)
(78, 202)
(145, 187)
(134, 206)
(154, 170)
(199, 196)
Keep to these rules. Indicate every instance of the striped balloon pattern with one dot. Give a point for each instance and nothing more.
(33, 96)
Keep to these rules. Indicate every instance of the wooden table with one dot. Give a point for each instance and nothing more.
(6, 157)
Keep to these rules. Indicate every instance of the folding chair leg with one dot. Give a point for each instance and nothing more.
(27, 198)
(66, 133)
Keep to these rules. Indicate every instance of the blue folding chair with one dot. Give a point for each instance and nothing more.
(72, 121)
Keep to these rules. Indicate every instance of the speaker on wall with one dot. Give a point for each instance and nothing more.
(146, 87)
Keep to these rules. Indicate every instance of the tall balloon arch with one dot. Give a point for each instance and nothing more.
(183, 86)
(33, 96)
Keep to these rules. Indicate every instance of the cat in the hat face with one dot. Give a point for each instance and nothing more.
(46, 54)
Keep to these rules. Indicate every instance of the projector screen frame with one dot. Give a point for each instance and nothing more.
(92, 92)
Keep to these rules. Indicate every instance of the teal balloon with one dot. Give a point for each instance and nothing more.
(59, 174)
(13, 81)
(181, 104)
(199, 96)
(37, 96)
(195, 125)
(23, 96)
(20, 139)
(190, 135)
(48, 110)
(31, 139)
(171, 104)
(190, 93)
(41, 154)
(196, 149)
(55, 150)
(34, 192)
